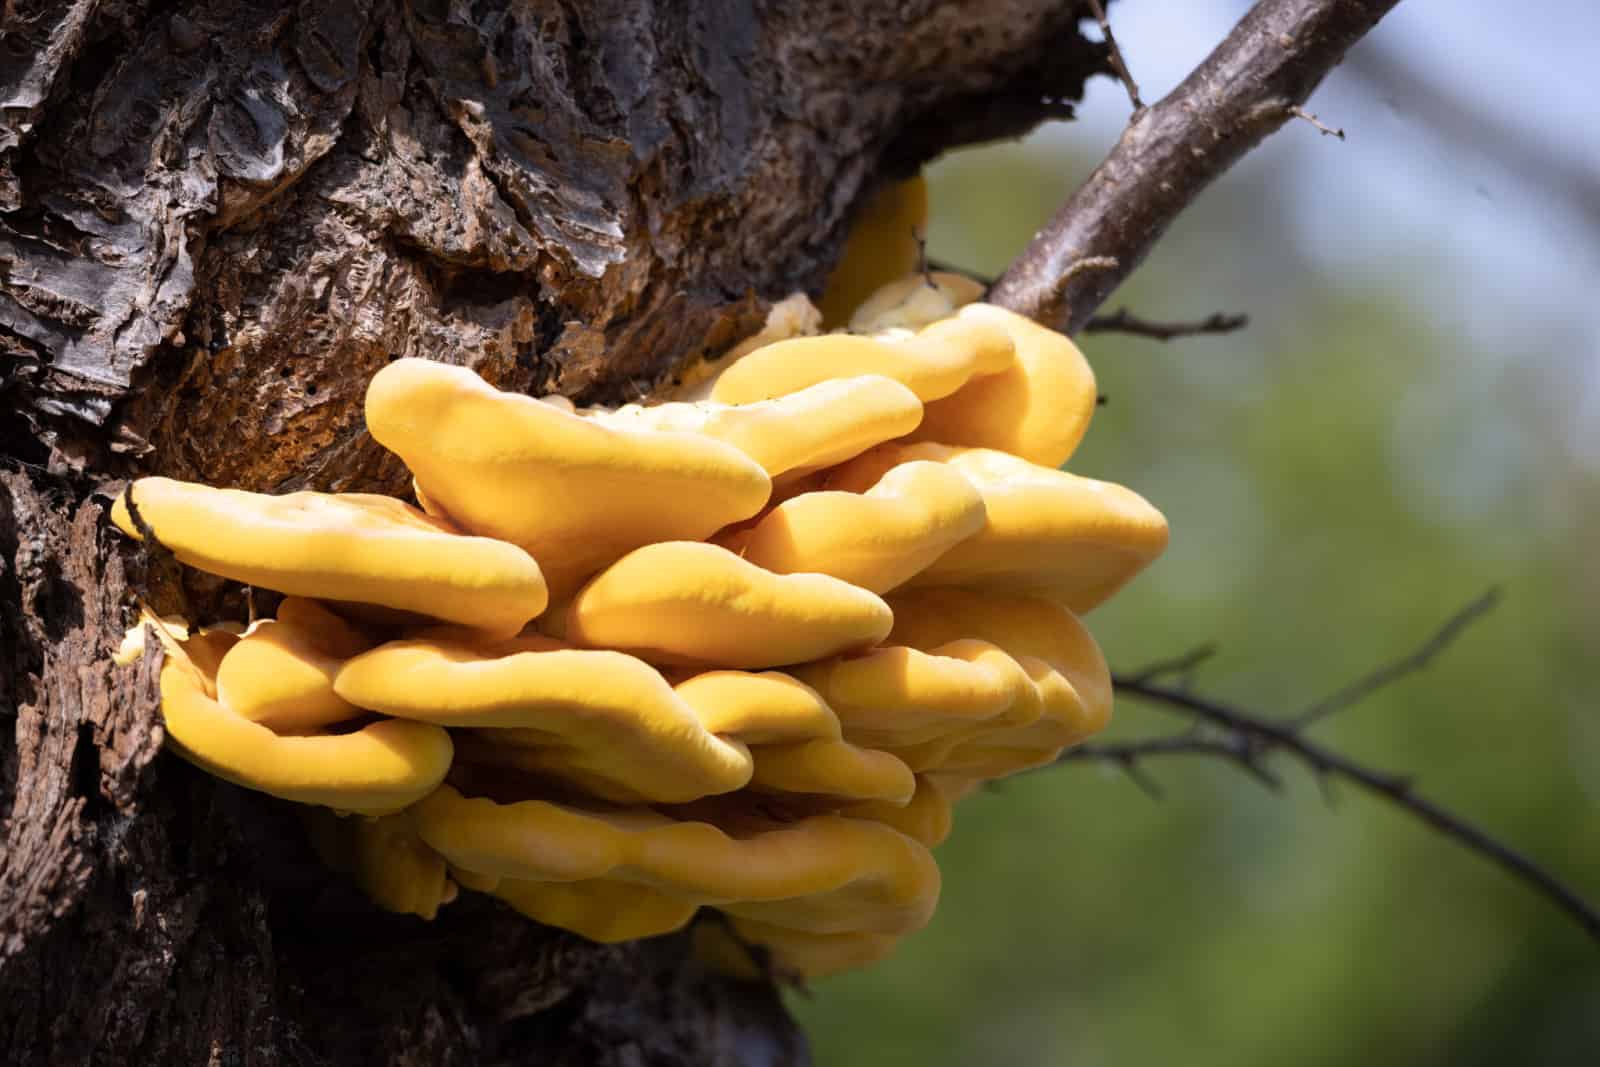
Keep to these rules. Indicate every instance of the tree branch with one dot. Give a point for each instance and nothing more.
(1236, 749)
(1118, 64)
(1249, 86)
(1389, 673)
(1246, 738)
(1124, 321)
(1395, 788)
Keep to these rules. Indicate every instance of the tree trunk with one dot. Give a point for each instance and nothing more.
(217, 219)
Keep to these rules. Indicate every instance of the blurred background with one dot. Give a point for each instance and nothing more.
(1411, 417)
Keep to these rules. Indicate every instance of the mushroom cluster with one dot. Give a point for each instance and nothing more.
(740, 652)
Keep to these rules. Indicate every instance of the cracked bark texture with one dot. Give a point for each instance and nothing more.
(217, 219)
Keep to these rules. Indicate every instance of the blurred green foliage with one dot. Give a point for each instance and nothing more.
(1340, 478)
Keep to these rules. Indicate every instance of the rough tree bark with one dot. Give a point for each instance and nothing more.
(217, 219)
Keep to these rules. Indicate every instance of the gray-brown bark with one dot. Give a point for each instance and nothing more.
(216, 221)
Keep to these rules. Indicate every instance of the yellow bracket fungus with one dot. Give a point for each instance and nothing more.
(936, 362)
(915, 301)
(387, 860)
(602, 719)
(907, 519)
(281, 672)
(600, 909)
(926, 817)
(1074, 539)
(822, 873)
(798, 952)
(885, 243)
(378, 769)
(572, 492)
(877, 517)
(791, 435)
(1038, 409)
(834, 768)
(348, 547)
(690, 602)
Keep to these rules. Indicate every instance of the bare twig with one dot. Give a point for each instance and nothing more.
(1183, 665)
(1390, 673)
(1246, 739)
(1124, 321)
(1322, 127)
(1269, 63)
(1118, 64)
(1328, 764)
(1128, 754)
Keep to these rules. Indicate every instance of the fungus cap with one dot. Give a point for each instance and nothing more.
(766, 708)
(900, 695)
(1074, 539)
(375, 770)
(907, 519)
(281, 671)
(884, 242)
(348, 546)
(915, 301)
(599, 909)
(1026, 628)
(829, 767)
(385, 858)
(574, 493)
(927, 818)
(799, 952)
(599, 719)
(822, 872)
(1039, 408)
(934, 363)
(689, 602)
(819, 426)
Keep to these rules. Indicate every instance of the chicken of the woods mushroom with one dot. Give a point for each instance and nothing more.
(742, 652)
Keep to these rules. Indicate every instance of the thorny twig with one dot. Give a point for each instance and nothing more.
(1245, 738)
(1123, 321)
(1171, 151)
(1118, 64)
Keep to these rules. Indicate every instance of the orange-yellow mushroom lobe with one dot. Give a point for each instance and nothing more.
(884, 243)
(796, 952)
(281, 671)
(599, 909)
(915, 301)
(1029, 629)
(1076, 540)
(895, 695)
(791, 435)
(832, 768)
(822, 873)
(572, 492)
(688, 602)
(768, 708)
(1038, 409)
(598, 719)
(934, 363)
(878, 539)
(354, 547)
(927, 818)
(376, 770)
(387, 860)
